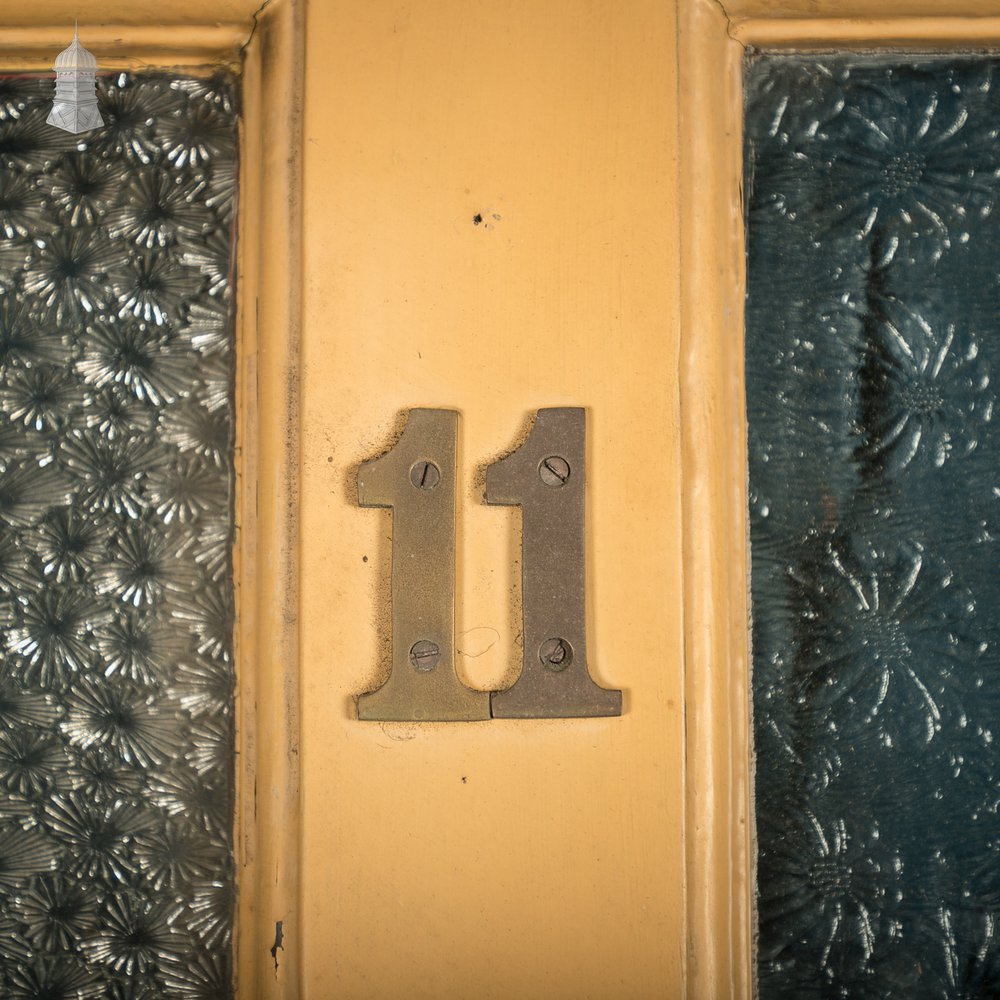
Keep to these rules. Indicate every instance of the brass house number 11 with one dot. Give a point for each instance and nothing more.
(545, 477)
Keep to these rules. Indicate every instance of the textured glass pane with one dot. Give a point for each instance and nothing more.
(873, 341)
(116, 603)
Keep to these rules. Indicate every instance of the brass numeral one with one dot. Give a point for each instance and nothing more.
(417, 480)
(546, 478)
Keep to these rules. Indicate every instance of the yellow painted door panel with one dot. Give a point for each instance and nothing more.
(489, 226)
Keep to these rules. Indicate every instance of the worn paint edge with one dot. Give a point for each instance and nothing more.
(267, 842)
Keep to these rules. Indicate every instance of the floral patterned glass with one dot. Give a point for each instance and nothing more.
(116, 600)
(872, 343)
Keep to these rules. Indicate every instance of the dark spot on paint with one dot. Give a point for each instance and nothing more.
(364, 558)
(464, 779)
(477, 219)
(279, 937)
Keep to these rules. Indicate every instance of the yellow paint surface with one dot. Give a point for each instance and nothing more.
(503, 859)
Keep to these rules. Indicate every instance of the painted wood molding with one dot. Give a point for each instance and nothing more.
(127, 46)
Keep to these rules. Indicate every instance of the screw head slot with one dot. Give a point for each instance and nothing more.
(556, 654)
(424, 656)
(425, 475)
(554, 471)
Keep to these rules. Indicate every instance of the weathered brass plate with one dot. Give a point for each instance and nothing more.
(546, 478)
(417, 479)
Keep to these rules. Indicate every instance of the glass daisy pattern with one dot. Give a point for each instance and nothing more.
(911, 166)
(28, 489)
(100, 777)
(123, 721)
(30, 761)
(213, 258)
(54, 979)
(873, 527)
(927, 390)
(84, 188)
(154, 287)
(823, 890)
(17, 575)
(140, 647)
(117, 415)
(24, 854)
(202, 686)
(96, 836)
(144, 564)
(182, 792)
(130, 104)
(25, 144)
(43, 398)
(136, 357)
(133, 935)
(187, 490)
(53, 634)
(909, 153)
(209, 618)
(19, 198)
(198, 429)
(70, 273)
(174, 855)
(116, 464)
(194, 135)
(23, 709)
(159, 207)
(210, 907)
(57, 913)
(212, 551)
(109, 472)
(26, 338)
(69, 544)
(887, 637)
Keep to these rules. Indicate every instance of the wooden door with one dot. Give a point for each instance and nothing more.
(494, 206)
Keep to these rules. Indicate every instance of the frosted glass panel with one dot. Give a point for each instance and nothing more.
(116, 603)
(872, 349)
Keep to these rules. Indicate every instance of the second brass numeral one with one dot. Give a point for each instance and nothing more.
(545, 477)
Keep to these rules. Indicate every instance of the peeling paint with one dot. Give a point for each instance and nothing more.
(279, 938)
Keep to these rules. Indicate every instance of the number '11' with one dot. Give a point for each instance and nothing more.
(545, 477)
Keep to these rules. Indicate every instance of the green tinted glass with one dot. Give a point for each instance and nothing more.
(873, 340)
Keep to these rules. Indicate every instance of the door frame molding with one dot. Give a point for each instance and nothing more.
(269, 296)
(714, 36)
(264, 46)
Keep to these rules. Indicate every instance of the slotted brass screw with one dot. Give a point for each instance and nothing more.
(424, 655)
(555, 654)
(554, 471)
(425, 475)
